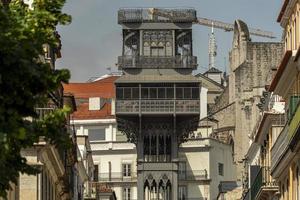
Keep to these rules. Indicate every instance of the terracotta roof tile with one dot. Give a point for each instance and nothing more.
(83, 112)
(104, 88)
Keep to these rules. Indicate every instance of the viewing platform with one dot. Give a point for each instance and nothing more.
(140, 15)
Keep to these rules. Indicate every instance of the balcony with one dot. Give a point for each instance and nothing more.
(293, 134)
(279, 148)
(193, 175)
(157, 106)
(157, 62)
(263, 185)
(117, 177)
(139, 15)
(42, 112)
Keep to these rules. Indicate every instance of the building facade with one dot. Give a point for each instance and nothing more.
(157, 98)
(285, 162)
(59, 177)
(115, 158)
(258, 183)
(251, 67)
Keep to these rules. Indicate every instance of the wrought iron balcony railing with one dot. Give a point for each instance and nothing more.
(280, 146)
(42, 112)
(263, 182)
(193, 175)
(117, 177)
(157, 62)
(139, 15)
(157, 106)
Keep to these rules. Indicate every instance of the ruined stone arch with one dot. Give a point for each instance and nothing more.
(240, 33)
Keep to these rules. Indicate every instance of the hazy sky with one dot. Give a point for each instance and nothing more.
(92, 42)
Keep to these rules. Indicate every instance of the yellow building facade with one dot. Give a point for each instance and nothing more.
(285, 153)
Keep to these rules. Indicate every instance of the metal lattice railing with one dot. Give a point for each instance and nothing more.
(157, 106)
(137, 15)
(157, 62)
(262, 179)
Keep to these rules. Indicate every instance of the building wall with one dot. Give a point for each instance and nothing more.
(220, 153)
(206, 154)
(291, 28)
(251, 65)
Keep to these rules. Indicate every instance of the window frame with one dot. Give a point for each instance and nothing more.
(221, 169)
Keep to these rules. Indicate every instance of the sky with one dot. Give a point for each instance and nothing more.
(93, 41)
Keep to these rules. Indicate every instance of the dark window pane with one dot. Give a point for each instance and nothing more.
(170, 93)
(144, 93)
(127, 93)
(161, 93)
(195, 93)
(179, 93)
(120, 93)
(187, 93)
(135, 93)
(153, 93)
(96, 134)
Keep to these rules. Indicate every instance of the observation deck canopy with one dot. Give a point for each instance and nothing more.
(159, 15)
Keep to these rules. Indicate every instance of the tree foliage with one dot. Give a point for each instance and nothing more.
(26, 81)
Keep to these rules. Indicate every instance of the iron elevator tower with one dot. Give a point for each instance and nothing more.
(157, 97)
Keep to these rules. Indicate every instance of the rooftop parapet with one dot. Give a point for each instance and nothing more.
(140, 15)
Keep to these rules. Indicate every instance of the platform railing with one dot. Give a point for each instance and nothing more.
(157, 106)
(139, 15)
(157, 62)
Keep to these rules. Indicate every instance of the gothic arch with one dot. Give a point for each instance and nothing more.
(241, 33)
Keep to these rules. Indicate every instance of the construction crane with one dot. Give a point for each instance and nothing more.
(230, 27)
(208, 22)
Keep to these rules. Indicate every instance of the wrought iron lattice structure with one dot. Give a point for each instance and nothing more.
(159, 112)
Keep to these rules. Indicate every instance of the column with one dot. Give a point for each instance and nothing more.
(140, 155)
(140, 185)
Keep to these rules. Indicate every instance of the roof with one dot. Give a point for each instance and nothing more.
(280, 70)
(83, 112)
(104, 88)
(202, 76)
(213, 70)
(282, 10)
(157, 78)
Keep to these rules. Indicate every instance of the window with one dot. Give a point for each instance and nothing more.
(126, 193)
(195, 93)
(120, 94)
(182, 193)
(145, 93)
(127, 93)
(187, 93)
(96, 134)
(179, 93)
(135, 93)
(126, 169)
(221, 169)
(182, 170)
(161, 93)
(153, 93)
(96, 172)
(170, 93)
(157, 43)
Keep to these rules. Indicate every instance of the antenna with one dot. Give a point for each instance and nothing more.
(212, 48)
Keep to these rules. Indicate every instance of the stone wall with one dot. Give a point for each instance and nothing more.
(252, 65)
